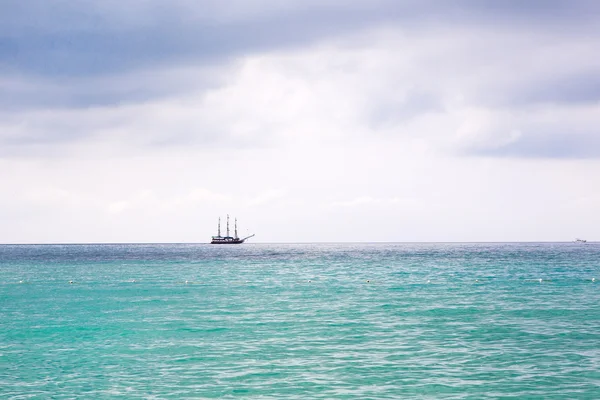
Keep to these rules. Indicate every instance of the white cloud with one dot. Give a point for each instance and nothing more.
(366, 201)
(266, 197)
(486, 129)
(202, 195)
(50, 195)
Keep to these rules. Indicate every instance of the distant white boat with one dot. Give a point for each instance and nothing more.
(580, 240)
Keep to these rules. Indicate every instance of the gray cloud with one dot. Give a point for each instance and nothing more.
(549, 144)
(387, 114)
(83, 39)
(22, 92)
(66, 56)
(575, 88)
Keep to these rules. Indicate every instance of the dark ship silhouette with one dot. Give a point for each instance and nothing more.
(228, 239)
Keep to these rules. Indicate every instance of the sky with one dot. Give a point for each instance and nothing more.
(309, 121)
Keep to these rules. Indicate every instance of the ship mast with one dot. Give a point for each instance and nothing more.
(235, 224)
(227, 225)
(219, 229)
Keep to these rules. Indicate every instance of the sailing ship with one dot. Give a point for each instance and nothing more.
(227, 239)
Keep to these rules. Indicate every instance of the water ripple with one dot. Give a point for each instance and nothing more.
(369, 321)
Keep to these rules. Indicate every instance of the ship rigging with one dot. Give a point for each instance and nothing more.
(228, 239)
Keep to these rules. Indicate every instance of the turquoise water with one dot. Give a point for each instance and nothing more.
(306, 321)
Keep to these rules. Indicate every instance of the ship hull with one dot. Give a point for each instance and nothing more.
(233, 241)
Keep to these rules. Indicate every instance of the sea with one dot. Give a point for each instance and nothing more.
(300, 321)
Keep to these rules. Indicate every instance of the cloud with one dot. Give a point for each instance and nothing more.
(365, 200)
(443, 93)
(455, 120)
(168, 203)
(551, 131)
(434, 92)
(109, 36)
(580, 87)
(266, 198)
(51, 195)
(21, 92)
(73, 42)
(202, 195)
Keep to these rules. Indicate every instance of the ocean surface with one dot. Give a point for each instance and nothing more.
(300, 321)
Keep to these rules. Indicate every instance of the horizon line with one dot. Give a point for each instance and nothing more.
(319, 242)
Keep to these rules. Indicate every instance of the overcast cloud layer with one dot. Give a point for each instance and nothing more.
(143, 121)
